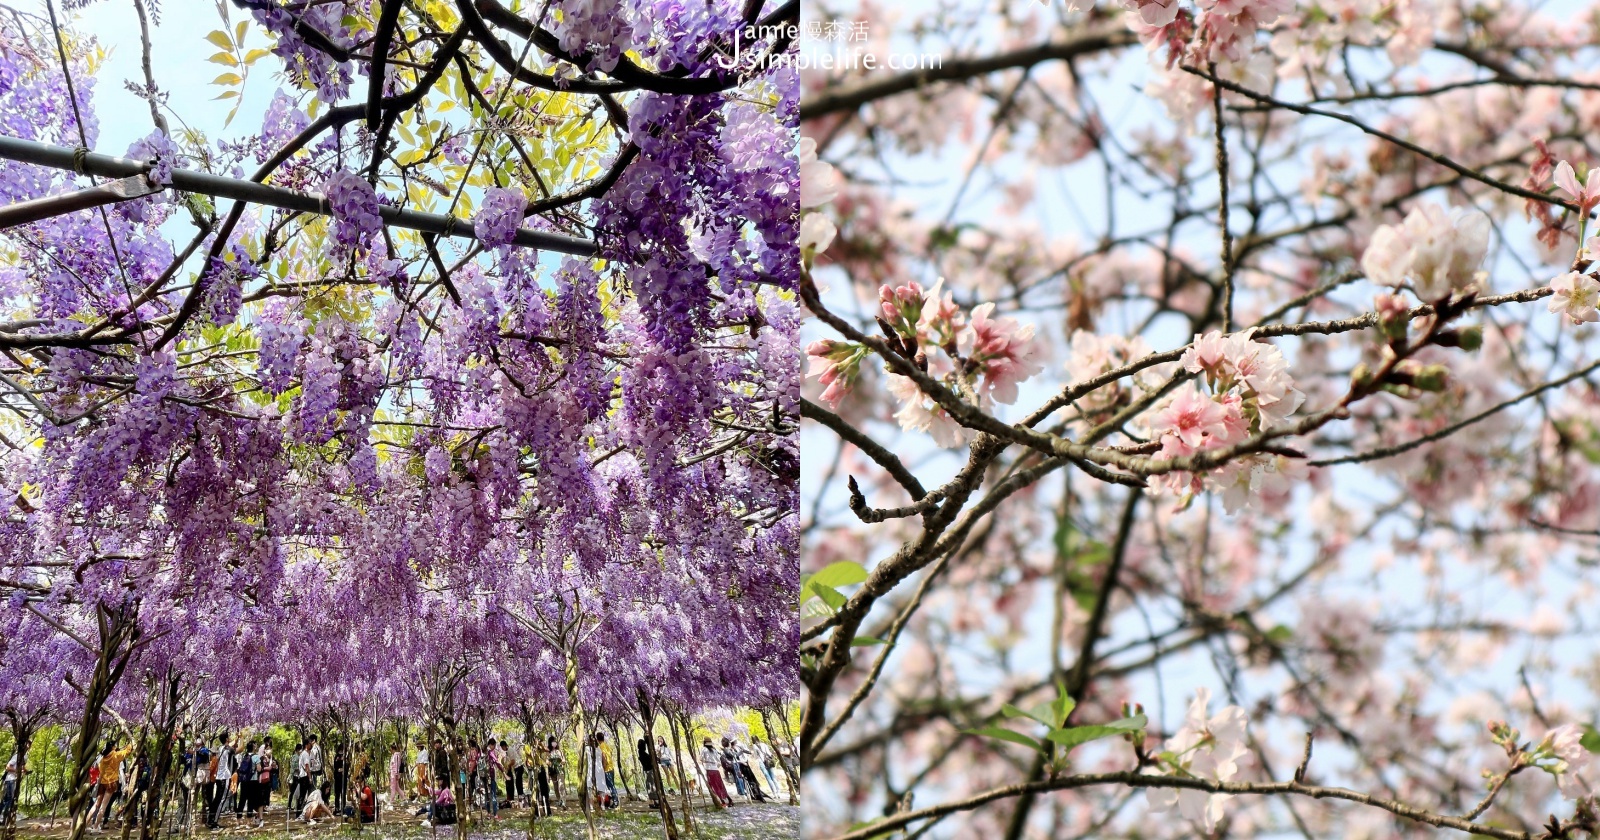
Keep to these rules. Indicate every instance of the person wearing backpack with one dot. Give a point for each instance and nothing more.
(141, 785)
(247, 779)
(223, 763)
(200, 777)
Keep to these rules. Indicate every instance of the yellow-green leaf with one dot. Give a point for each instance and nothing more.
(221, 39)
(229, 79)
(224, 58)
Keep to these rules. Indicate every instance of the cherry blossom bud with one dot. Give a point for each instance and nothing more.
(1431, 378)
(1467, 338)
(1392, 315)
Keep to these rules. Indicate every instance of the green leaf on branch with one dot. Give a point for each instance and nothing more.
(1003, 734)
(1011, 711)
(830, 596)
(1076, 735)
(831, 577)
(1591, 739)
(1061, 707)
(866, 641)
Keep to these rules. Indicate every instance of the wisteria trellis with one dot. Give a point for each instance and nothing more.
(294, 462)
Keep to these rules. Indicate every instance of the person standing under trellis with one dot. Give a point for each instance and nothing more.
(557, 768)
(266, 773)
(525, 771)
(16, 768)
(510, 767)
(314, 762)
(711, 769)
(664, 758)
(646, 766)
(424, 785)
(397, 766)
(341, 775)
(299, 777)
(488, 770)
(441, 767)
(536, 760)
(248, 763)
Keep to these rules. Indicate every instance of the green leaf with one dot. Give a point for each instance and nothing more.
(1076, 735)
(1282, 634)
(866, 641)
(1590, 739)
(221, 39)
(1011, 711)
(842, 573)
(828, 594)
(409, 157)
(1003, 734)
(1061, 707)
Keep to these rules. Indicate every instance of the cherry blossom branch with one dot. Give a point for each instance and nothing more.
(1222, 209)
(1389, 451)
(1142, 780)
(872, 449)
(1409, 146)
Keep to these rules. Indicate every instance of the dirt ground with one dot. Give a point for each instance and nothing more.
(633, 821)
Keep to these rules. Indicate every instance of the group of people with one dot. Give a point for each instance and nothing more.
(733, 761)
(222, 777)
(225, 777)
(491, 774)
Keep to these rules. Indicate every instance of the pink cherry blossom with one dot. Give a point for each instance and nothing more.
(1576, 296)
(1565, 745)
(915, 415)
(816, 232)
(1004, 350)
(1260, 370)
(1154, 12)
(837, 365)
(901, 307)
(1436, 252)
(1209, 747)
(819, 181)
(941, 320)
(1191, 419)
(1587, 194)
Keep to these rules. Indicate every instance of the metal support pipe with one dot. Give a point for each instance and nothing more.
(204, 183)
(111, 192)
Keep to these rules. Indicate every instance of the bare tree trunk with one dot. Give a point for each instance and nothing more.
(683, 772)
(585, 761)
(118, 630)
(654, 773)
